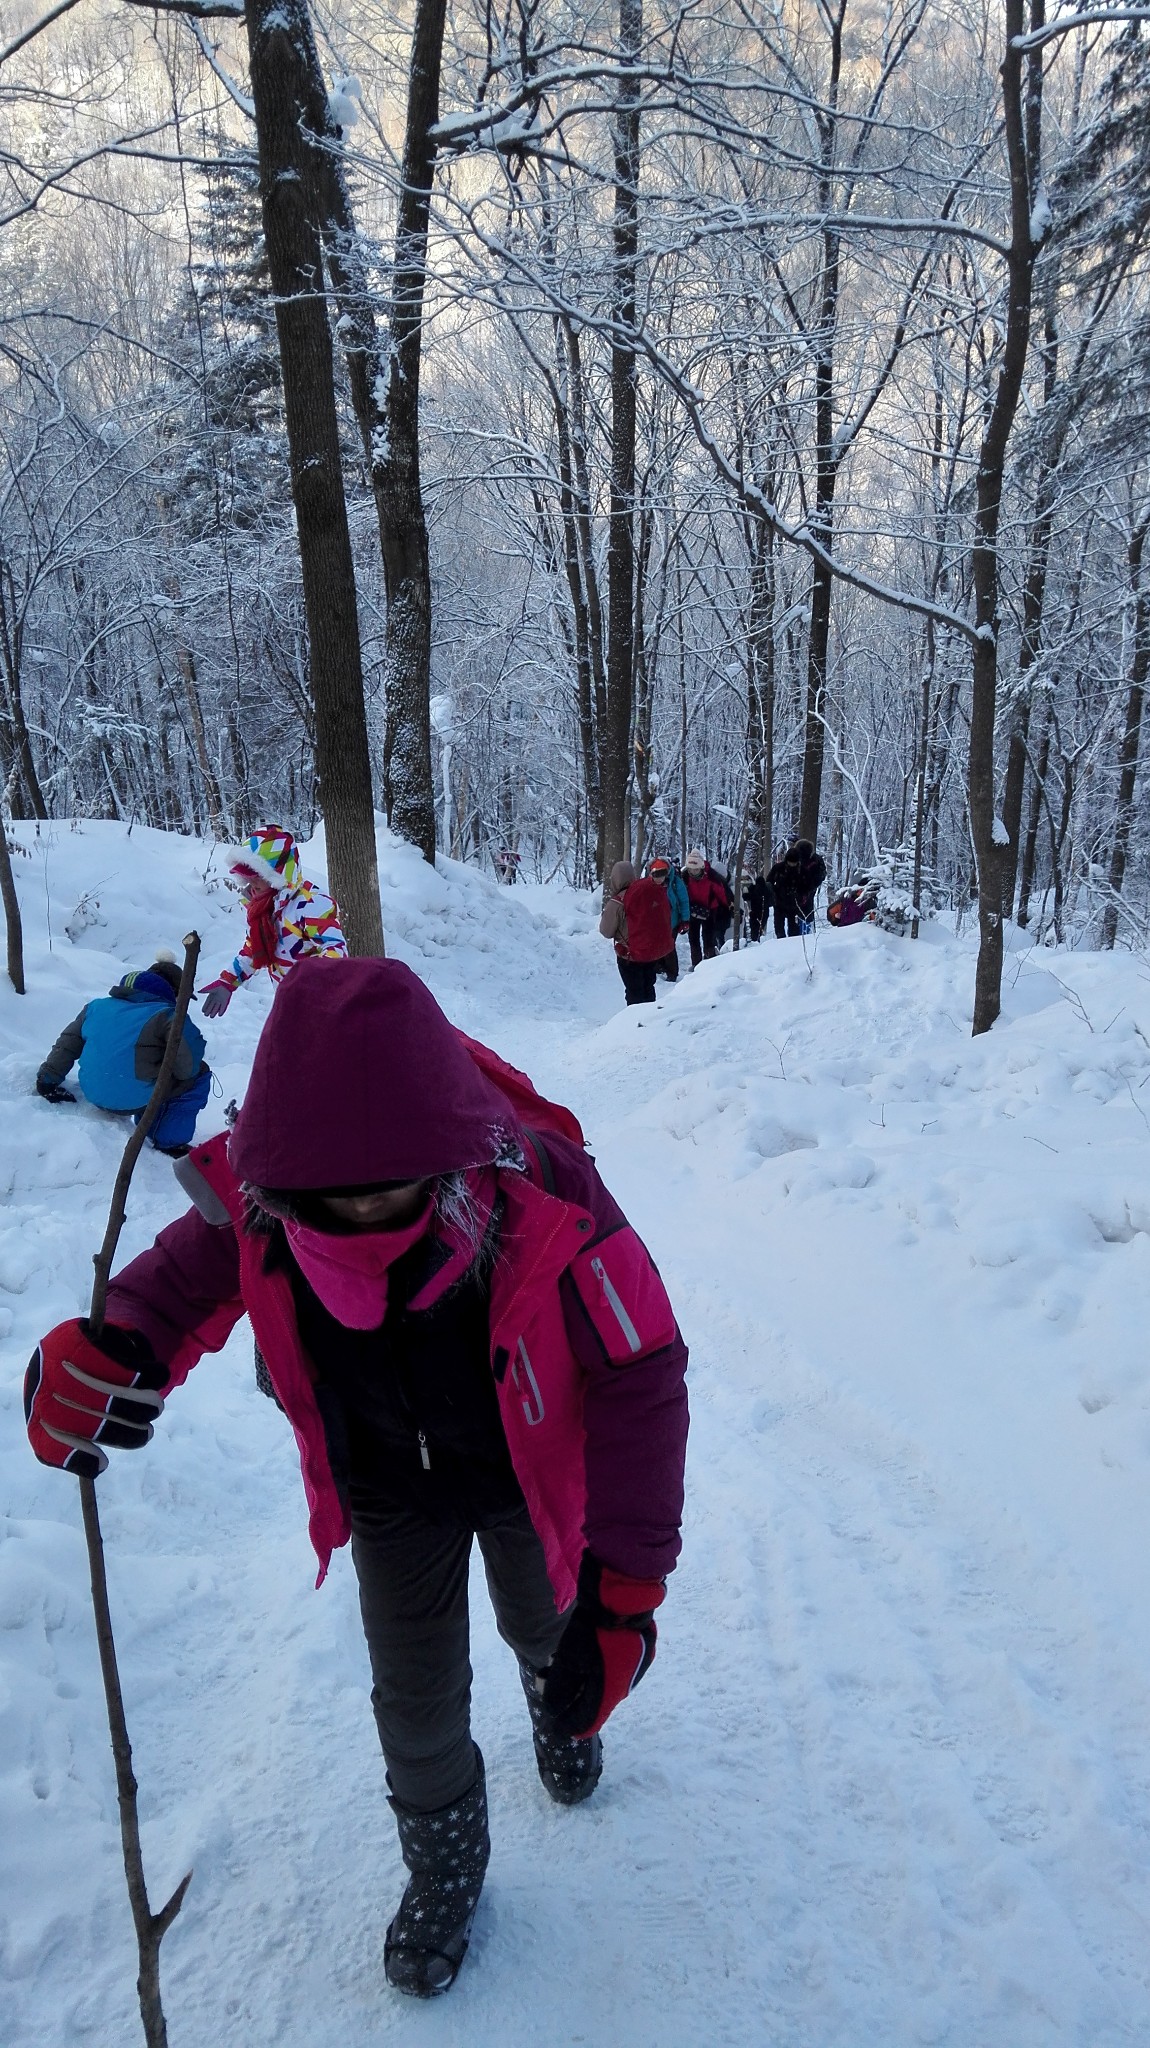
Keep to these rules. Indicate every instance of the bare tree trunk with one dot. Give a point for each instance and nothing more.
(826, 460)
(186, 667)
(403, 526)
(921, 773)
(573, 570)
(1131, 737)
(645, 789)
(279, 80)
(11, 652)
(13, 925)
(1037, 796)
(1033, 604)
(621, 541)
(986, 829)
(385, 397)
(761, 704)
(585, 534)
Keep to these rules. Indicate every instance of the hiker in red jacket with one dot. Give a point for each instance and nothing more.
(709, 898)
(469, 1341)
(637, 915)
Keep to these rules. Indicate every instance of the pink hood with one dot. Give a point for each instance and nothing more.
(359, 1077)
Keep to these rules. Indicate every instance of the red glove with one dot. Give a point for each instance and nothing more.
(81, 1392)
(607, 1646)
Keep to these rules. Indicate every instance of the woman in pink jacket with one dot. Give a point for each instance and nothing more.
(470, 1343)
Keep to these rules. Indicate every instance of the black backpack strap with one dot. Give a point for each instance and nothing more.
(542, 1160)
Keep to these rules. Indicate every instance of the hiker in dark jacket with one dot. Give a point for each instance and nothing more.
(469, 1341)
(758, 898)
(725, 909)
(120, 1041)
(637, 916)
(794, 883)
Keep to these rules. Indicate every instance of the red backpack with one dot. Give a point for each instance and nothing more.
(647, 909)
(532, 1109)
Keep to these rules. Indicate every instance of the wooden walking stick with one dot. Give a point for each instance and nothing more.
(150, 1927)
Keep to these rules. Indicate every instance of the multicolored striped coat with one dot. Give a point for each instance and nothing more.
(306, 920)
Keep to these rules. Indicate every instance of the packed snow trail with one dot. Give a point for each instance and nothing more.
(888, 1779)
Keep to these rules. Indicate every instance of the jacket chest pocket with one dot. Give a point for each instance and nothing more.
(624, 1297)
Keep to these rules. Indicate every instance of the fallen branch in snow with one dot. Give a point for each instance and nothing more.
(150, 1927)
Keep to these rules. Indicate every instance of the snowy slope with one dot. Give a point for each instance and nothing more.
(888, 1782)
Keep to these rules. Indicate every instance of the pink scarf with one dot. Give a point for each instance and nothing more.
(350, 1273)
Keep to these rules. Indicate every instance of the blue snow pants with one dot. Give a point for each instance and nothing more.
(176, 1124)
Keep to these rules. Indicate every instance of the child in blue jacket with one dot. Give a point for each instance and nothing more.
(119, 1041)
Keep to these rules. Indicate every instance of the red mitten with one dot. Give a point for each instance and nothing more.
(607, 1646)
(81, 1392)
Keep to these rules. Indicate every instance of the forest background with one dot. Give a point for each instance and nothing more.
(740, 418)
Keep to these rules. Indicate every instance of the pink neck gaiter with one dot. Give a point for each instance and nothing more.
(349, 1272)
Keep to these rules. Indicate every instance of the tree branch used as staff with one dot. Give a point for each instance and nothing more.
(150, 1927)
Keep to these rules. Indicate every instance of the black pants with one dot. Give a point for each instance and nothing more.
(788, 923)
(638, 979)
(701, 939)
(413, 1598)
(669, 966)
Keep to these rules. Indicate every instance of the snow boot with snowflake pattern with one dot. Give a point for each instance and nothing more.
(569, 1765)
(446, 1853)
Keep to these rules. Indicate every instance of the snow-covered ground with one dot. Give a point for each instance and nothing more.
(889, 1782)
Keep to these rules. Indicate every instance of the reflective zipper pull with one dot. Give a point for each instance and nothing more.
(424, 1459)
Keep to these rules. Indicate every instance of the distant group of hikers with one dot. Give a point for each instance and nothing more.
(645, 915)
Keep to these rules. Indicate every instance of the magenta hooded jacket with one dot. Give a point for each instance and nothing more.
(359, 1077)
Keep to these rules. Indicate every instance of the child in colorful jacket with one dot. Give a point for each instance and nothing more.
(470, 1342)
(288, 917)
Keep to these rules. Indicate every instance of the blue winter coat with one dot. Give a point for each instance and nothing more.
(679, 899)
(120, 1040)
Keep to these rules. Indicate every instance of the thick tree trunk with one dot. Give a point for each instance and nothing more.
(385, 398)
(621, 536)
(279, 79)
